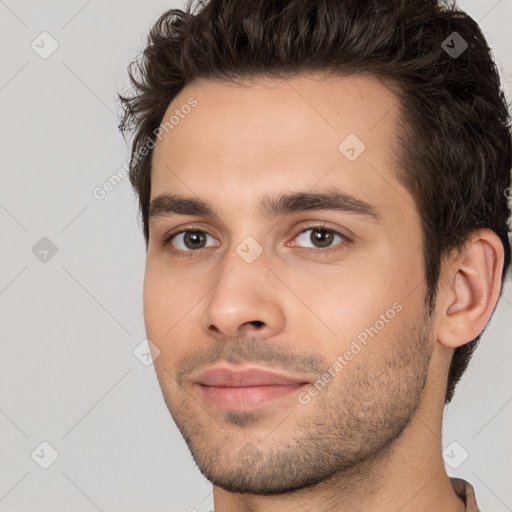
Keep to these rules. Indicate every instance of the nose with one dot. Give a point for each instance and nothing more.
(244, 301)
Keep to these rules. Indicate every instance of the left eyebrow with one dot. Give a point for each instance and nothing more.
(283, 204)
(270, 206)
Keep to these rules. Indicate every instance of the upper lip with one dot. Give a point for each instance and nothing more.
(229, 377)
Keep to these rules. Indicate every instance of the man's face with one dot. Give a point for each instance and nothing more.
(329, 296)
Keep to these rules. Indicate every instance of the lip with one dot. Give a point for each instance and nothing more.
(246, 389)
(223, 376)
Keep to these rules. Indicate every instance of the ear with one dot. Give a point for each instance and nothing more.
(469, 289)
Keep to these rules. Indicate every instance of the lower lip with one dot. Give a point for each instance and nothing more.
(246, 398)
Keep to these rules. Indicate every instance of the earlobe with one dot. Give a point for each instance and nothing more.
(470, 289)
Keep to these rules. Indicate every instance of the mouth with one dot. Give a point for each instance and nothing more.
(246, 398)
(247, 389)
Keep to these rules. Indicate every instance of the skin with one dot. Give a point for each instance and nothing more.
(371, 440)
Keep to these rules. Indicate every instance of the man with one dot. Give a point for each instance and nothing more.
(323, 190)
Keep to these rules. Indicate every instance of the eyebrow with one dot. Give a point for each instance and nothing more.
(166, 205)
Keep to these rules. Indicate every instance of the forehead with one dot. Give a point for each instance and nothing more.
(241, 141)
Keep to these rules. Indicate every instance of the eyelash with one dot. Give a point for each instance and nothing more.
(182, 253)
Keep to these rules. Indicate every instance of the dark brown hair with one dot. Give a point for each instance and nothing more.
(454, 147)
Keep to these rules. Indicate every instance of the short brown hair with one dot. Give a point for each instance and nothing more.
(454, 151)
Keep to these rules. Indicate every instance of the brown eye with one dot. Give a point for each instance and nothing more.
(189, 240)
(320, 237)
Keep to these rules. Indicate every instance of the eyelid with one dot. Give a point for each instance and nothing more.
(319, 224)
(166, 239)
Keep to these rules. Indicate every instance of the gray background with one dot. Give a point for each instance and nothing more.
(70, 323)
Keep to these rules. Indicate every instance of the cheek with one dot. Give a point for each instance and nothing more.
(171, 303)
(161, 301)
(366, 296)
(165, 318)
(345, 297)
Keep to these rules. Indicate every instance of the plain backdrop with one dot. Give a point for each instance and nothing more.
(71, 279)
